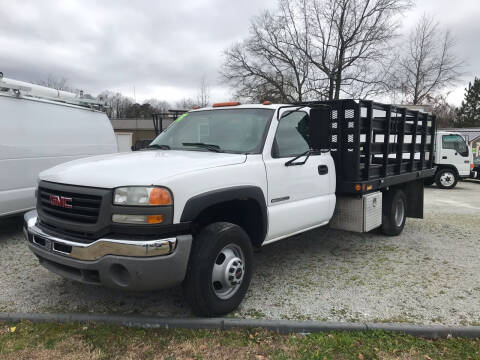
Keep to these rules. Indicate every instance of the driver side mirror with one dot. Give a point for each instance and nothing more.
(320, 131)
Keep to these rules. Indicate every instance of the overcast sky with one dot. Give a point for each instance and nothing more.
(163, 48)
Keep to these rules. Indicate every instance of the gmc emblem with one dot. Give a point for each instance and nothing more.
(60, 201)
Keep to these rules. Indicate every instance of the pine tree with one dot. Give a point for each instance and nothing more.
(469, 112)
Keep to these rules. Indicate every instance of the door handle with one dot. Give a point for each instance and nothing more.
(444, 157)
(323, 169)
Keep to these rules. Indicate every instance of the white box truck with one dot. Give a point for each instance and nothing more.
(42, 127)
(453, 159)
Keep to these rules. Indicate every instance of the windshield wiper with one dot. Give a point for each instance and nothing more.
(210, 147)
(158, 146)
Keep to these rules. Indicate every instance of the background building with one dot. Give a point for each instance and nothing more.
(136, 133)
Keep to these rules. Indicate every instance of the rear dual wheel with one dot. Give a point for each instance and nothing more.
(394, 212)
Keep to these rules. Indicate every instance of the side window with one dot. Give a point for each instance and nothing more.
(292, 135)
(455, 142)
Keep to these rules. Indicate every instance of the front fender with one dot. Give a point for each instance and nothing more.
(195, 205)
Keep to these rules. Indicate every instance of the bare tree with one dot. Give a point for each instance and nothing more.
(267, 65)
(57, 83)
(203, 96)
(185, 104)
(315, 48)
(158, 105)
(117, 105)
(446, 113)
(349, 41)
(428, 64)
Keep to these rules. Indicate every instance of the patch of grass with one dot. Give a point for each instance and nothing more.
(27, 340)
(375, 344)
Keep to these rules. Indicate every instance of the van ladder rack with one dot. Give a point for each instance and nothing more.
(21, 88)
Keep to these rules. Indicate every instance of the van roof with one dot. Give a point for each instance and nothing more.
(24, 90)
(53, 102)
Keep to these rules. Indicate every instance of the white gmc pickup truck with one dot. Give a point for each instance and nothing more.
(223, 180)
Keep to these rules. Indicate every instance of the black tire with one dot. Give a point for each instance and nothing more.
(392, 213)
(446, 179)
(198, 286)
(429, 181)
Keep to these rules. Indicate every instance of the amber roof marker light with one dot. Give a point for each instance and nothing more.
(228, 103)
(267, 102)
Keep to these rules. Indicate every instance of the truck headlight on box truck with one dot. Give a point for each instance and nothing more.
(141, 196)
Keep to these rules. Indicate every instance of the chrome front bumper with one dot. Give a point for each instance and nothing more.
(96, 249)
(125, 264)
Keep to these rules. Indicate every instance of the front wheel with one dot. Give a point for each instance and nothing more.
(446, 179)
(394, 212)
(220, 269)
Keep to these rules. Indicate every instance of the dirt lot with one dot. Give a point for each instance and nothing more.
(429, 274)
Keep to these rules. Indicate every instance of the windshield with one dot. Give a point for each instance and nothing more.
(455, 142)
(232, 130)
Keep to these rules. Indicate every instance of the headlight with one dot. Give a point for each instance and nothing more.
(142, 196)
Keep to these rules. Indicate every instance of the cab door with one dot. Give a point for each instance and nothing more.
(301, 194)
(455, 152)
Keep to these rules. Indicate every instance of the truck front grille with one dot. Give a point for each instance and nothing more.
(80, 208)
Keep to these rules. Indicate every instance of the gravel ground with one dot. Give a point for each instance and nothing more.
(429, 274)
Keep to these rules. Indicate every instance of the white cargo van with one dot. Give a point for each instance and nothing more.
(40, 128)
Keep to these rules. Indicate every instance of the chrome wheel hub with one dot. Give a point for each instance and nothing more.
(228, 271)
(447, 179)
(399, 212)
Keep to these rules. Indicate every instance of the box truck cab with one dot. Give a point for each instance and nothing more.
(453, 159)
(222, 180)
(40, 128)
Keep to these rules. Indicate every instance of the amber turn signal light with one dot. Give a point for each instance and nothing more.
(154, 219)
(160, 196)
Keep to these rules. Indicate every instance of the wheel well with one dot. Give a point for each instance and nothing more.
(245, 213)
(414, 191)
(449, 167)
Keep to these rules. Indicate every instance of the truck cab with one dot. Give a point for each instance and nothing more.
(453, 159)
(222, 180)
